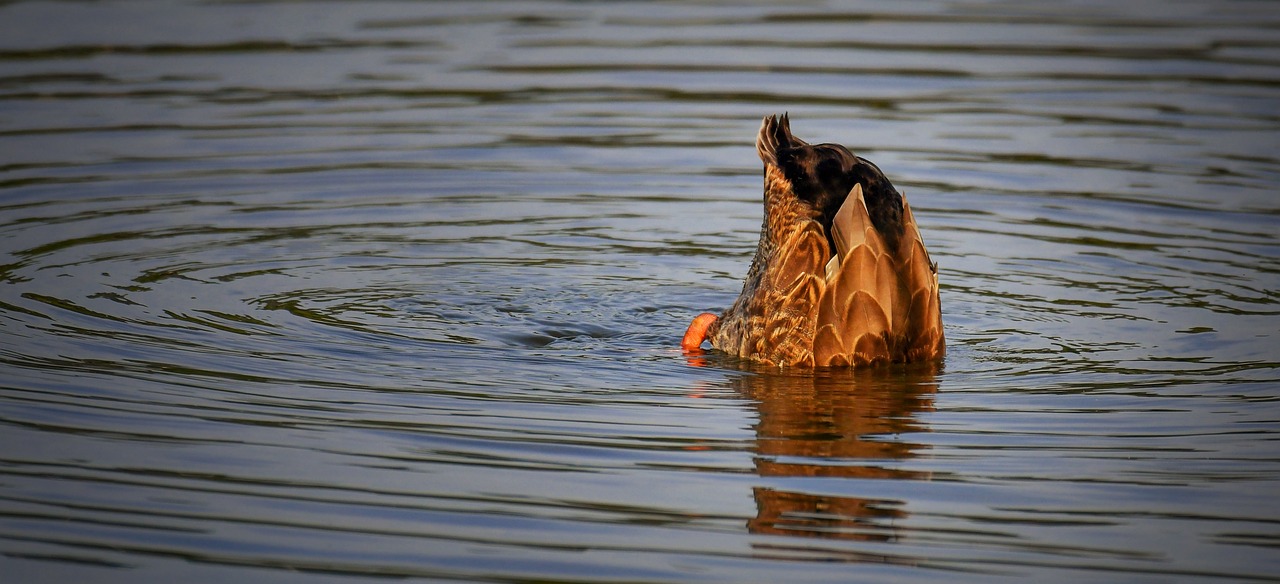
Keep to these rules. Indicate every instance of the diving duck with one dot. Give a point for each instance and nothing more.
(840, 277)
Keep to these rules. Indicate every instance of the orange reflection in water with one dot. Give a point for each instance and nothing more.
(835, 424)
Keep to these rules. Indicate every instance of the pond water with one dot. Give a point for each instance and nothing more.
(330, 291)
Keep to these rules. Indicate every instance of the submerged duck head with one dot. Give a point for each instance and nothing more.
(840, 275)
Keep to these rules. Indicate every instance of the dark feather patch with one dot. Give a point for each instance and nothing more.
(823, 174)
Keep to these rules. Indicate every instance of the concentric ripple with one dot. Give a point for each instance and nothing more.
(314, 292)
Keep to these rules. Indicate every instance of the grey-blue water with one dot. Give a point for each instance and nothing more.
(329, 292)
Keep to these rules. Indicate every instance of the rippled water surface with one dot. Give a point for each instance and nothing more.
(332, 291)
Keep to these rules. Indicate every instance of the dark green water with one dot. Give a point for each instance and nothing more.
(326, 292)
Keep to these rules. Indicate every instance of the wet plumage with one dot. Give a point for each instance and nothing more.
(876, 302)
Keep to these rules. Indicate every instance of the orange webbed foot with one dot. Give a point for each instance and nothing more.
(697, 332)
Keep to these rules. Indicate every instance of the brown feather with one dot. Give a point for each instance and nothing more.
(833, 283)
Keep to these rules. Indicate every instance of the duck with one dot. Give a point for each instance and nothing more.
(841, 276)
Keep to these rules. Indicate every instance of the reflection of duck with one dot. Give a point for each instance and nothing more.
(835, 426)
(840, 276)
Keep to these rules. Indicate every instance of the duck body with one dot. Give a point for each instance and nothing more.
(840, 275)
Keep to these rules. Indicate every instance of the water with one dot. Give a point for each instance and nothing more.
(311, 292)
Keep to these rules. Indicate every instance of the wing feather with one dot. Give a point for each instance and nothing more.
(880, 304)
(920, 324)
